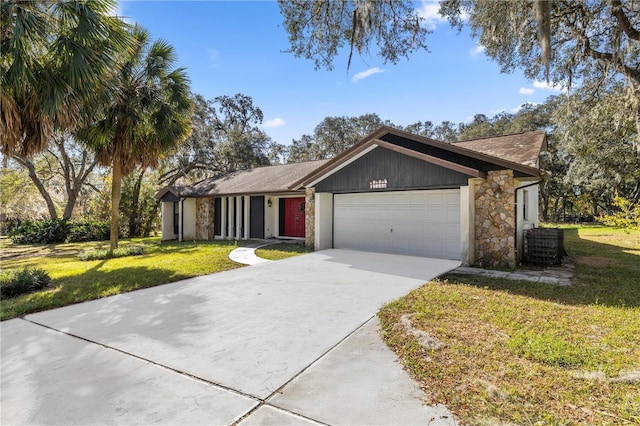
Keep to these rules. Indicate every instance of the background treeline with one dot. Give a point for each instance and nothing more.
(590, 157)
(97, 114)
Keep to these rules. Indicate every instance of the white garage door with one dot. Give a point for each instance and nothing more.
(420, 223)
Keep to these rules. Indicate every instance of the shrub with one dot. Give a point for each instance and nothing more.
(88, 231)
(26, 280)
(58, 231)
(101, 254)
(627, 216)
(40, 232)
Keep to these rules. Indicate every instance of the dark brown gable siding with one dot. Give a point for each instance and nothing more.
(444, 154)
(402, 173)
(170, 197)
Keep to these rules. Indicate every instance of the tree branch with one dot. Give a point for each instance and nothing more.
(607, 58)
(623, 20)
(39, 185)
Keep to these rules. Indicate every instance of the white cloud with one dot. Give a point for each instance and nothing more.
(544, 85)
(526, 91)
(276, 122)
(477, 51)
(428, 11)
(368, 73)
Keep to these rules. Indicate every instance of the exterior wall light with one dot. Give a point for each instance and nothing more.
(269, 203)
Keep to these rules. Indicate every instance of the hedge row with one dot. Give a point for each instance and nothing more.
(58, 231)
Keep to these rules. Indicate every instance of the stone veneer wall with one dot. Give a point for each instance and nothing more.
(495, 221)
(204, 218)
(310, 217)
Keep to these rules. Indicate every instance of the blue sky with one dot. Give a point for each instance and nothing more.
(231, 47)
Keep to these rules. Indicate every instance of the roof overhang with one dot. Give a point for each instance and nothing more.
(431, 159)
(319, 175)
(168, 190)
(467, 152)
(177, 194)
(374, 141)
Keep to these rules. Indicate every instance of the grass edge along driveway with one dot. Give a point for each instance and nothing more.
(516, 352)
(76, 281)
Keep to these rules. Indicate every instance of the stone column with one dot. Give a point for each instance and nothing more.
(495, 221)
(310, 217)
(204, 218)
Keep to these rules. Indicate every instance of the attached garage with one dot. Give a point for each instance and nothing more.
(419, 223)
(390, 199)
(392, 192)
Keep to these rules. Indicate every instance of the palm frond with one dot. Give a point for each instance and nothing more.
(55, 57)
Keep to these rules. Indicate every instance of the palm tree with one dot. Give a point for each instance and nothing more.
(148, 115)
(54, 55)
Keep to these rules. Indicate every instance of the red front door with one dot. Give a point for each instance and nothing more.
(294, 217)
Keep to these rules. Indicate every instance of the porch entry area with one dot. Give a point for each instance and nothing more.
(292, 217)
(262, 216)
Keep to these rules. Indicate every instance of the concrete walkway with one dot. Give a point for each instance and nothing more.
(557, 275)
(287, 342)
(247, 255)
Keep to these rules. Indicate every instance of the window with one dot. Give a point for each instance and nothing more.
(176, 217)
(525, 204)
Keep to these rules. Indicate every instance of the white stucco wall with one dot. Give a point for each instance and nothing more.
(167, 221)
(189, 219)
(467, 226)
(323, 221)
(246, 218)
(532, 206)
(270, 216)
(223, 218)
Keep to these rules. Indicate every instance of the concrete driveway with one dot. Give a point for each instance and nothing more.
(287, 342)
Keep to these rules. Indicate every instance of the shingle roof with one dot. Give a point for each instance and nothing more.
(521, 148)
(518, 152)
(260, 180)
(510, 151)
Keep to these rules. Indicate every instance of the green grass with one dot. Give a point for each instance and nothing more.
(518, 352)
(281, 251)
(102, 254)
(77, 281)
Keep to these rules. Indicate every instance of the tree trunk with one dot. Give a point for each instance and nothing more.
(636, 142)
(3, 224)
(38, 183)
(71, 203)
(556, 210)
(116, 188)
(544, 205)
(134, 214)
(3, 215)
(635, 87)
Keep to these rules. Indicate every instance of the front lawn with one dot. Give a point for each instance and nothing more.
(77, 281)
(281, 251)
(515, 352)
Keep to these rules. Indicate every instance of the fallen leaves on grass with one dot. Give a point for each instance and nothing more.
(507, 358)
